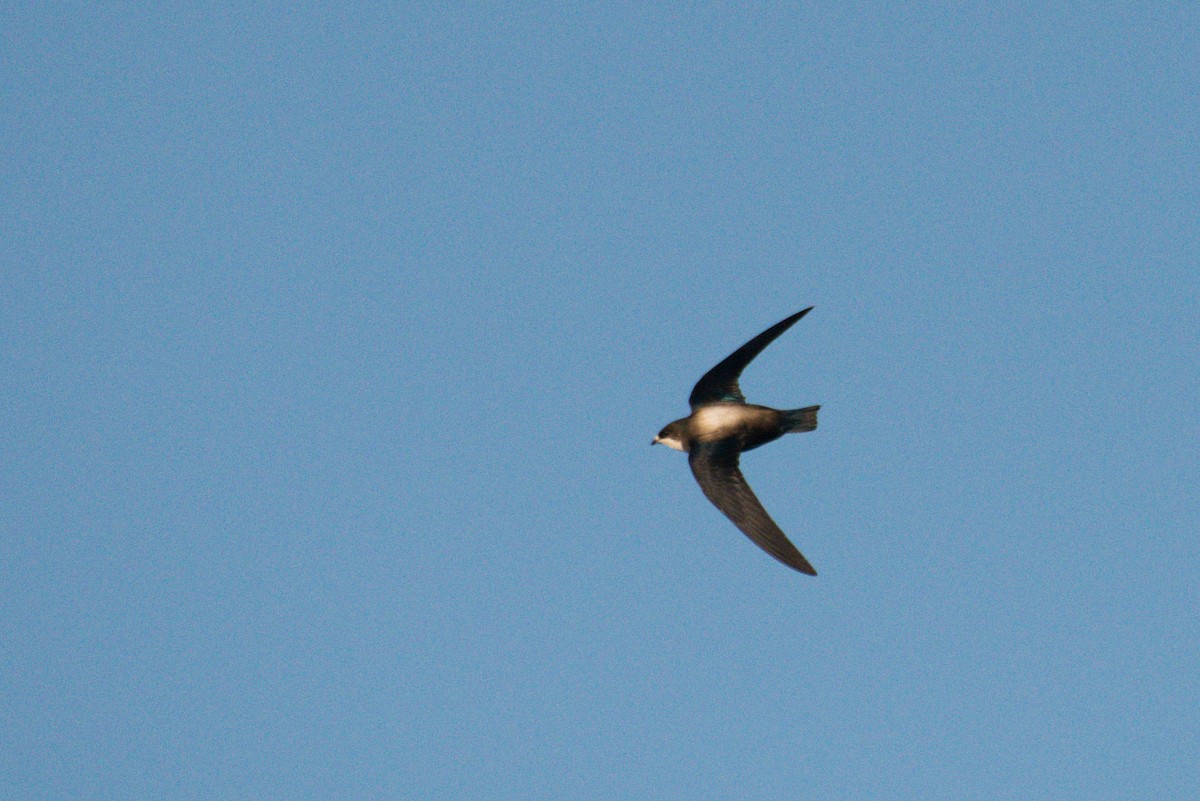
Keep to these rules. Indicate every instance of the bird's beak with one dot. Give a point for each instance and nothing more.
(654, 441)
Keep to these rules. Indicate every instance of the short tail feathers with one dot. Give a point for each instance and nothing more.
(800, 420)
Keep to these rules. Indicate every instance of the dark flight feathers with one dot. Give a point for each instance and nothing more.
(721, 382)
(715, 467)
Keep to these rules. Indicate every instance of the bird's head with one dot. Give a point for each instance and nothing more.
(673, 436)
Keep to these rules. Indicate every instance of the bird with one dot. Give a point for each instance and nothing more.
(721, 426)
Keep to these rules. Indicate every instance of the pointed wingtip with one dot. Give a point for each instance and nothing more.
(788, 322)
(801, 565)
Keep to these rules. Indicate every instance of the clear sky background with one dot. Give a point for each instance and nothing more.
(333, 339)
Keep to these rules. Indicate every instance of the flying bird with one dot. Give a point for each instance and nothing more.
(721, 426)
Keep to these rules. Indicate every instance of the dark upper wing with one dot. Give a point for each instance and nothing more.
(721, 382)
(715, 467)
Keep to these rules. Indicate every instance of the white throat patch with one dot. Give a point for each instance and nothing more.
(670, 442)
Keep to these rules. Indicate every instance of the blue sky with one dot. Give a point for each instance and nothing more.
(333, 339)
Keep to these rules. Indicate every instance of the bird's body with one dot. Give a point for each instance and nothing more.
(721, 426)
(746, 424)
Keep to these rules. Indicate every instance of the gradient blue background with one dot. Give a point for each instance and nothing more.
(333, 339)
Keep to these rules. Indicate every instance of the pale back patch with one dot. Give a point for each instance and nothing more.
(720, 420)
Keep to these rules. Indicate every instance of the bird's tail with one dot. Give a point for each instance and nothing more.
(800, 420)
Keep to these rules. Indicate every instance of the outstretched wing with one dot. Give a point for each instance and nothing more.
(715, 467)
(721, 382)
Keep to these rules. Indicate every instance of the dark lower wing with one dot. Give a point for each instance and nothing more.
(716, 470)
(721, 382)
